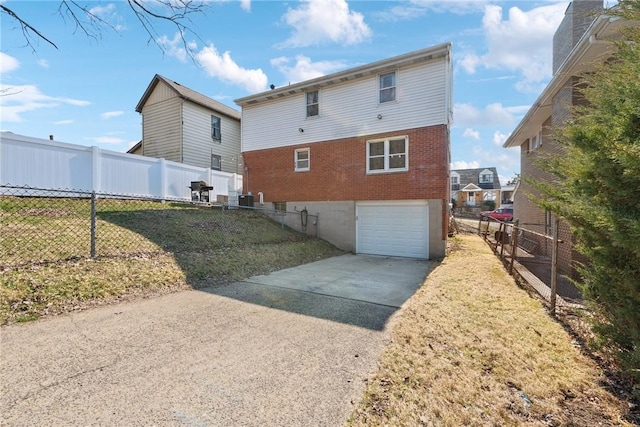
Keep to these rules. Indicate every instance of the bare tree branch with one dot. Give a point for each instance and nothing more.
(179, 12)
(149, 15)
(26, 28)
(91, 27)
(7, 91)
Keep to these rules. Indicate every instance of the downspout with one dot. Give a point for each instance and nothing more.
(181, 141)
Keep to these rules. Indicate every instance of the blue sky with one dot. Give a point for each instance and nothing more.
(85, 92)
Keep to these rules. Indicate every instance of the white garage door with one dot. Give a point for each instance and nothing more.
(394, 228)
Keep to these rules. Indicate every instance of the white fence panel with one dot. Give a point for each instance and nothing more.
(122, 173)
(40, 163)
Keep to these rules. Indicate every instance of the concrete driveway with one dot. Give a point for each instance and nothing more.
(289, 349)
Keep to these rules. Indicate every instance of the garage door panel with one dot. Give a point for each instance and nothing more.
(393, 228)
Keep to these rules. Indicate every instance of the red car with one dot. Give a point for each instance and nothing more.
(501, 214)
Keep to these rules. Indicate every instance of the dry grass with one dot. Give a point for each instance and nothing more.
(471, 348)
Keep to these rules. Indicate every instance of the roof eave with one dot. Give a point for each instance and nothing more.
(434, 52)
(574, 64)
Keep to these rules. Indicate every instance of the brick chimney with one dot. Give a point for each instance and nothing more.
(577, 18)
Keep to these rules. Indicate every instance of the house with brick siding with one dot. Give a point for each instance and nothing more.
(185, 126)
(582, 40)
(367, 149)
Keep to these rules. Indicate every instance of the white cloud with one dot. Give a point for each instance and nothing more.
(109, 14)
(492, 114)
(27, 98)
(521, 43)
(506, 161)
(223, 67)
(245, 5)
(8, 63)
(461, 164)
(414, 9)
(111, 114)
(319, 21)
(177, 47)
(106, 140)
(470, 133)
(63, 122)
(499, 138)
(102, 10)
(43, 63)
(217, 65)
(304, 68)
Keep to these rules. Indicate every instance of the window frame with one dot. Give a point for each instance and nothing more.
(219, 159)
(387, 155)
(533, 146)
(486, 178)
(316, 104)
(216, 136)
(393, 88)
(297, 160)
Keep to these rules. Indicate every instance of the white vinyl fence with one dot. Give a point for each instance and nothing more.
(41, 163)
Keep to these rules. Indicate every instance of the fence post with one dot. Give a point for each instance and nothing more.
(93, 224)
(503, 233)
(224, 223)
(282, 225)
(514, 245)
(554, 265)
(162, 164)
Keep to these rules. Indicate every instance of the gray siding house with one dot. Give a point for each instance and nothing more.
(182, 125)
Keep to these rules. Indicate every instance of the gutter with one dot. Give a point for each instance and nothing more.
(589, 38)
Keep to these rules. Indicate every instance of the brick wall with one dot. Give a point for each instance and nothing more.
(338, 170)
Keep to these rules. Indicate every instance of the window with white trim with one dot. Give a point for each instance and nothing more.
(313, 106)
(216, 131)
(486, 177)
(302, 159)
(534, 142)
(388, 155)
(387, 87)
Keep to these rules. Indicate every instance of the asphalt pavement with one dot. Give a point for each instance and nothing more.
(292, 348)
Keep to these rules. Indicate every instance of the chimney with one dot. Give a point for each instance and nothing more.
(577, 18)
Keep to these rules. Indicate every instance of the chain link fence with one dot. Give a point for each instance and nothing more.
(47, 225)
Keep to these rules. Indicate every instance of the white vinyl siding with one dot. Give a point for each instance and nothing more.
(161, 129)
(393, 228)
(351, 108)
(198, 145)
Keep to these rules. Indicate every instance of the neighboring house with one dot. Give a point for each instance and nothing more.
(472, 187)
(182, 125)
(506, 194)
(580, 42)
(366, 148)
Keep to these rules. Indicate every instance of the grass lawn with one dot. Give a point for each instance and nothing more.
(471, 348)
(144, 249)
